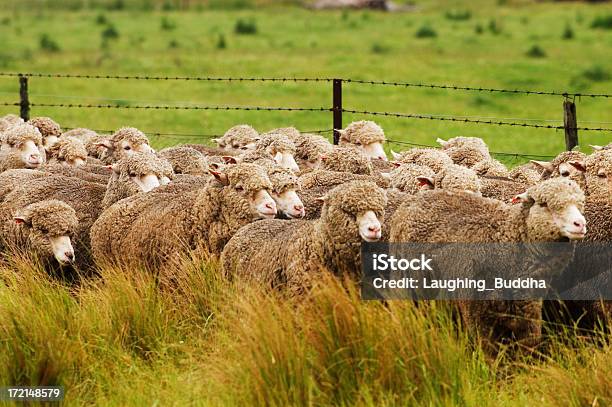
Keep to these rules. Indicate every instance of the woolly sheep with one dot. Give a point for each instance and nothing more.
(85, 135)
(44, 227)
(49, 129)
(139, 173)
(490, 167)
(281, 253)
(280, 148)
(405, 178)
(156, 228)
(366, 136)
(568, 164)
(68, 151)
(429, 157)
(309, 150)
(185, 160)
(240, 137)
(123, 143)
(454, 178)
(550, 211)
(526, 174)
(466, 151)
(347, 159)
(21, 148)
(285, 188)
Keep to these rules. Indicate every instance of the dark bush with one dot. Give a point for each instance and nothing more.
(602, 22)
(221, 44)
(426, 31)
(110, 33)
(536, 52)
(48, 44)
(596, 73)
(101, 19)
(458, 15)
(167, 24)
(379, 48)
(494, 27)
(174, 44)
(245, 27)
(568, 33)
(478, 29)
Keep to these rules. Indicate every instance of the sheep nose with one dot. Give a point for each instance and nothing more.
(374, 229)
(269, 205)
(34, 157)
(298, 208)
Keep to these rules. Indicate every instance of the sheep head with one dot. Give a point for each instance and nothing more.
(347, 159)
(143, 171)
(24, 141)
(50, 130)
(50, 225)
(554, 210)
(365, 135)
(68, 151)
(125, 142)
(285, 186)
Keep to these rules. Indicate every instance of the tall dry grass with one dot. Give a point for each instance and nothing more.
(187, 336)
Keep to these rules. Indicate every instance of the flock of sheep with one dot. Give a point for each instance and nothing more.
(283, 206)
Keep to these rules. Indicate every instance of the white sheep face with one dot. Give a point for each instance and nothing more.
(375, 151)
(76, 162)
(262, 205)
(127, 149)
(370, 229)
(287, 161)
(30, 154)
(571, 222)
(289, 203)
(147, 182)
(49, 142)
(62, 249)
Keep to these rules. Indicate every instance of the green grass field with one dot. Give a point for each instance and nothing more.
(130, 338)
(489, 47)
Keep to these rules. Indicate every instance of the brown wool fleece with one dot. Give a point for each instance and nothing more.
(274, 143)
(238, 136)
(85, 135)
(156, 228)
(404, 177)
(347, 159)
(44, 219)
(47, 126)
(10, 179)
(67, 149)
(491, 167)
(87, 172)
(291, 253)
(457, 178)
(310, 147)
(429, 157)
(21, 133)
(185, 160)
(208, 151)
(526, 174)
(362, 133)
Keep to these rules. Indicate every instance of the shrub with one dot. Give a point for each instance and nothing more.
(426, 31)
(167, 24)
(174, 44)
(478, 29)
(246, 27)
(602, 22)
(379, 48)
(101, 19)
(568, 32)
(494, 27)
(458, 15)
(536, 52)
(48, 44)
(221, 44)
(596, 73)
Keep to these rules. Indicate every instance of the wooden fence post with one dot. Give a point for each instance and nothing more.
(337, 109)
(570, 124)
(24, 102)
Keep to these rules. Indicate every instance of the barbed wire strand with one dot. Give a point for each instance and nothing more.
(323, 79)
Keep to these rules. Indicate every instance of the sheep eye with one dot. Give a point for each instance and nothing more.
(243, 148)
(132, 175)
(239, 189)
(126, 148)
(565, 174)
(44, 231)
(602, 175)
(543, 205)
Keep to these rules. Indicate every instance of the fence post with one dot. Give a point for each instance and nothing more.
(570, 124)
(337, 109)
(24, 101)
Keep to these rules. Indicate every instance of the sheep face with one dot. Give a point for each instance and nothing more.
(370, 228)
(555, 211)
(127, 148)
(144, 171)
(50, 225)
(285, 160)
(29, 153)
(375, 151)
(598, 174)
(49, 141)
(289, 203)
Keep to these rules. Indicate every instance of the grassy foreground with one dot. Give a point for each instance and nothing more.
(197, 339)
(504, 44)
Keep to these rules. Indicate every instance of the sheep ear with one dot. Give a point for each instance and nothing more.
(425, 182)
(229, 159)
(442, 142)
(220, 176)
(579, 165)
(396, 163)
(521, 198)
(545, 165)
(105, 144)
(395, 155)
(595, 148)
(22, 220)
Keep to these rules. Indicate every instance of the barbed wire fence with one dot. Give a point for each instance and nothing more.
(570, 126)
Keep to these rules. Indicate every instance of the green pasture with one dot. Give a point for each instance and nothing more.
(541, 46)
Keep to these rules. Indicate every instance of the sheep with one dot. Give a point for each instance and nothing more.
(430, 157)
(10, 179)
(85, 135)
(309, 150)
(11, 119)
(285, 188)
(453, 178)
(466, 151)
(347, 159)
(550, 211)
(276, 146)
(123, 143)
(157, 228)
(50, 130)
(240, 137)
(44, 227)
(490, 167)
(527, 174)
(405, 178)
(21, 148)
(566, 164)
(185, 160)
(138, 173)
(499, 183)
(366, 136)
(291, 254)
(68, 151)
(213, 151)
